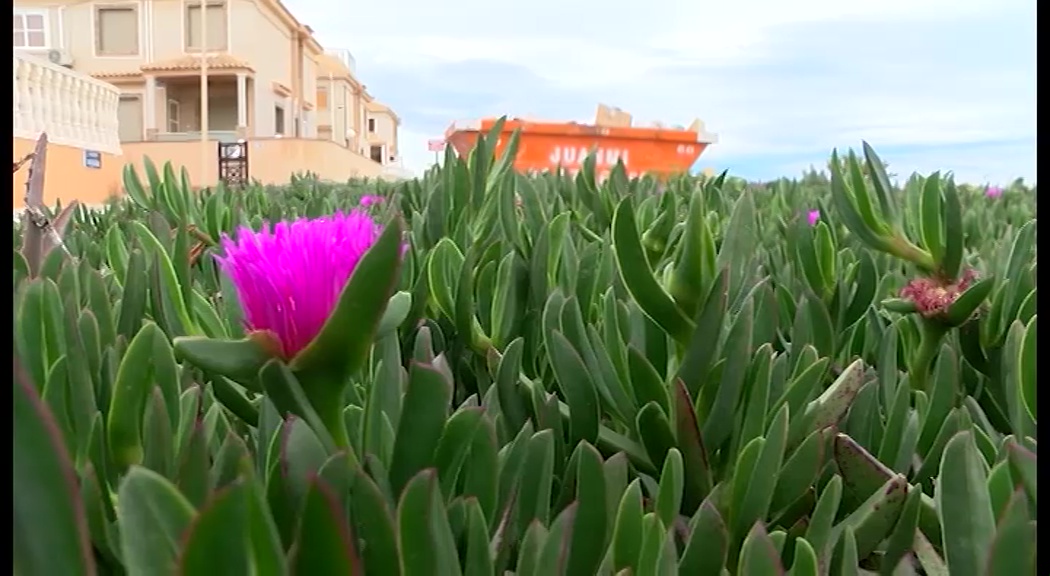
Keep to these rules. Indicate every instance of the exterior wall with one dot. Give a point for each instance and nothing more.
(386, 131)
(309, 93)
(254, 33)
(287, 68)
(367, 138)
(357, 119)
(344, 119)
(79, 114)
(268, 46)
(339, 115)
(270, 160)
(162, 31)
(66, 178)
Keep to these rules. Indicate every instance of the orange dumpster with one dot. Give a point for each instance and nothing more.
(544, 146)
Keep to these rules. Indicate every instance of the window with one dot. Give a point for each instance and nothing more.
(278, 120)
(174, 116)
(216, 32)
(322, 98)
(371, 125)
(30, 30)
(377, 154)
(116, 30)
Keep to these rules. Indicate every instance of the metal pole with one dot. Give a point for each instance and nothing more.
(205, 153)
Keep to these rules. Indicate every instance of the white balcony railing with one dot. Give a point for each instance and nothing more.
(74, 109)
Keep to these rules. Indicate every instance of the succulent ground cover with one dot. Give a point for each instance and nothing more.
(478, 372)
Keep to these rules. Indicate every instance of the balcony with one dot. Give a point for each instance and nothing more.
(74, 109)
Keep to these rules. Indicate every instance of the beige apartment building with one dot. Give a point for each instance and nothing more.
(270, 83)
(347, 113)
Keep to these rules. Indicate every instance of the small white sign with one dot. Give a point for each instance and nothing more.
(92, 159)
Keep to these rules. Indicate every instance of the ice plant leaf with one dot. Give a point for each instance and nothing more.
(239, 360)
(900, 305)
(931, 217)
(342, 344)
(50, 523)
(846, 208)
(216, 537)
(326, 543)
(954, 234)
(964, 506)
(695, 259)
(153, 515)
(966, 303)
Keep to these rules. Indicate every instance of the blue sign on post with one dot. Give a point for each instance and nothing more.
(92, 159)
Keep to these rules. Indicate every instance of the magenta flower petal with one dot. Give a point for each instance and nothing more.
(993, 192)
(813, 216)
(369, 200)
(289, 278)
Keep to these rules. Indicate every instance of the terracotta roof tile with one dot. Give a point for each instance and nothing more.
(116, 74)
(191, 62)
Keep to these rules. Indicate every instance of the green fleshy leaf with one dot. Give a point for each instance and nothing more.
(238, 360)
(50, 524)
(341, 347)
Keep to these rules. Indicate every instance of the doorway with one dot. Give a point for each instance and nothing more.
(129, 118)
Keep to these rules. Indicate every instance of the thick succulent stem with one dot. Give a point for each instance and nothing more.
(905, 250)
(929, 344)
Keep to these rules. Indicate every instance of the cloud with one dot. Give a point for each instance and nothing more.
(993, 162)
(938, 84)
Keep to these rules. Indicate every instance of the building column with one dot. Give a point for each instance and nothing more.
(242, 105)
(289, 116)
(149, 103)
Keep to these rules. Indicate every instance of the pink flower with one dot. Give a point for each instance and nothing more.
(369, 200)
(993, 192)
(813, 217)
(290, 279)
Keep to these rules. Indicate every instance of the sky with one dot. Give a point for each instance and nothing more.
(930, 84)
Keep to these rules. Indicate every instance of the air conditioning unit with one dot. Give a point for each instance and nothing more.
(60, 57)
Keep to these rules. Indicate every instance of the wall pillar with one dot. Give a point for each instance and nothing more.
(242, 104)
(149, 111)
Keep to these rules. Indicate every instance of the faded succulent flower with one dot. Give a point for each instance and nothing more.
(993, 192)
(932, 296)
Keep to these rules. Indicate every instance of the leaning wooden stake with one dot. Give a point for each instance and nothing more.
(40, 233)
